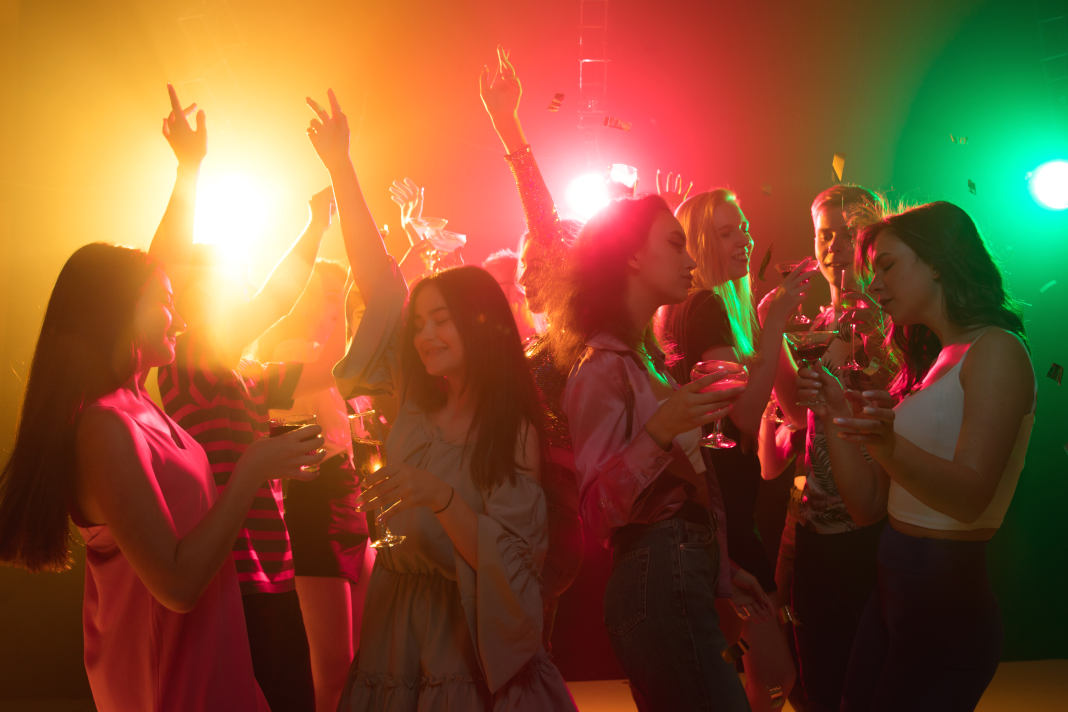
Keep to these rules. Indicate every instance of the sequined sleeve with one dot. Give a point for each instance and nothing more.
(546, 245)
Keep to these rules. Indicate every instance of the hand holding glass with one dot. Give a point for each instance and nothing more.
(731, 375)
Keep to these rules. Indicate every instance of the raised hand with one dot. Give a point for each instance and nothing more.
(690, 407)
(671, 191)
(329, 132)
(500, 90)
(782, 301)
(189, 145)
(321, 208)
(409, 197)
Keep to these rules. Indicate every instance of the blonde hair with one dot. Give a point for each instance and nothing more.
(695, 215)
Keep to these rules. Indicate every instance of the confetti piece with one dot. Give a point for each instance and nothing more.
(558, 99)
(614, 123)
(1047, 286)
(971, 187)
(838, 164)
(764, 263)
(1056, 372)
(766, 189)
(958, 139)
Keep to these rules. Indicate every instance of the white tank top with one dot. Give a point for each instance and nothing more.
(931, 418)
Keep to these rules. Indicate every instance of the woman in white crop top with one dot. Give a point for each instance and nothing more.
(941, 454)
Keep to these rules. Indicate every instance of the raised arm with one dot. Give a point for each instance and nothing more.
(329, 135)
(285, 282)
(173, 240)
(117, 487)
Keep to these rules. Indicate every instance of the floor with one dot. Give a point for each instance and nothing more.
(1035, 686)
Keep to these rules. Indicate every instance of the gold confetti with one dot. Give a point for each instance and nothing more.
(1056, 372)
(558, 99)
(971, 187)
(614, 123)
(838, 164)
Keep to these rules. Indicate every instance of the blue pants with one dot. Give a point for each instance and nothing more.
(659, 608)
(930, 637)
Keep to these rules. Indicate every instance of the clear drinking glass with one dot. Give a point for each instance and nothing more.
(809, 346)
(282, 424)
(370, 457)
(731, 374)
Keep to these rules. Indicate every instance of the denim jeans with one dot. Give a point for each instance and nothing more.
(661, 618)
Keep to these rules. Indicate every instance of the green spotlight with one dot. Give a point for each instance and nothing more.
(1049, 185)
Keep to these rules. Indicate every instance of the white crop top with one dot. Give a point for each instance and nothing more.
(931, 418)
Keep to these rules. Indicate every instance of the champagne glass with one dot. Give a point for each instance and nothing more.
(798, 320)
(857, 310)
(730, 374)
(809, 346)
(369, 458)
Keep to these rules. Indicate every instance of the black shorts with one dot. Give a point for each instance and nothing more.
(327, 533)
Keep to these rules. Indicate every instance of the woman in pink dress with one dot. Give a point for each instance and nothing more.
(162, 614)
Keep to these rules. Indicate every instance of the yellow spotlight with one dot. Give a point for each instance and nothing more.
(233, 212)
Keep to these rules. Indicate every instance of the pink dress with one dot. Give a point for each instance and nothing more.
(139, 654)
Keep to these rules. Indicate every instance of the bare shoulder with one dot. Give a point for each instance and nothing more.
(105, 427)
(999, 362)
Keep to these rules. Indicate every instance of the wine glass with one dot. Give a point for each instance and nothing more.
(809, 346)
(730, 374)
(798, 320)
(856, 310)
(369, 458)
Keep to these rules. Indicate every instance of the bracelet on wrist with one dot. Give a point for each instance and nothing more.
(452, 493)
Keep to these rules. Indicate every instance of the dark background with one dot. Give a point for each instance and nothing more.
(756, 96)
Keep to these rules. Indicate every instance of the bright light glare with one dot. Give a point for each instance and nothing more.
(623, 174)
(232, 214)
(587, 194)
(1049, 185)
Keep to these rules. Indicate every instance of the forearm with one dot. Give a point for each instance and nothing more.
(860, 481)
(461, 524)
(174, 236)
(763, 375)
(786, 390)
(955, 490)
(363, 244)
(200, 553)
(510, 132)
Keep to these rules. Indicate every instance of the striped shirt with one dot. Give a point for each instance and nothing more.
(225, 410)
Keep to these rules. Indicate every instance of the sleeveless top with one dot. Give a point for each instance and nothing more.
(931, 418)
(141, 655)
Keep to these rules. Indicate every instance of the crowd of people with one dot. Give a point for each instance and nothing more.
(526, 418)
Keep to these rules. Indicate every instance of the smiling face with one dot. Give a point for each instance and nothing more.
(731, 240)
(906, 287)
(662, 266)
(834, 246)
(156, 322)
(436, 338)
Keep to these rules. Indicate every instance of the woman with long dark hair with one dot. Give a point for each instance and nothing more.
(163, 624)
(645, 489)
(941, 453)
(454, 612)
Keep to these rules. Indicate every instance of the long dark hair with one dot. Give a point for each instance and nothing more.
(592, 298)
(943, 236)
(86, 350)
(495, 369)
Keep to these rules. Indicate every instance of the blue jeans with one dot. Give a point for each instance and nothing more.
(659, 609)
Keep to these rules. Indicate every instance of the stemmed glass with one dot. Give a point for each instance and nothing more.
(809, 346)
(798, 319)
(370, 459)
(282, 424)
(857, 310)
(730, 374)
